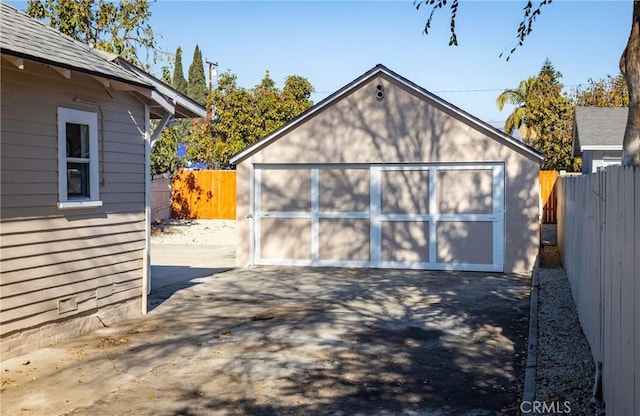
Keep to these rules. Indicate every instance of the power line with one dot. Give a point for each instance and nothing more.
(459, 91)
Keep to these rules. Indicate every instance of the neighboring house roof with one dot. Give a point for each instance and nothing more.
(26, 38)
(366, 77)
(598, 128)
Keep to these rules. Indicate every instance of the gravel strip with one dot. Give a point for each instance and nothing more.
(565, 369)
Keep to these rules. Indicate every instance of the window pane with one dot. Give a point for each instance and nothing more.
(77, 140)
(78, 180)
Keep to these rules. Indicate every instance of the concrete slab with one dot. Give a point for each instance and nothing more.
(174, 263)
(269, 340)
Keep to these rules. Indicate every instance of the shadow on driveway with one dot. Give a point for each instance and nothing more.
(313, 341)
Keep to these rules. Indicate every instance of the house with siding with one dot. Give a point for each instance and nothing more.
(76, 135)
(597, 136)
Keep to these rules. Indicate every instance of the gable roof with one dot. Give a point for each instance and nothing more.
(598, 128)
(379, 69)
(23, 37)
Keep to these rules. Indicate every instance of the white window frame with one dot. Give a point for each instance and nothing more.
(69, 115)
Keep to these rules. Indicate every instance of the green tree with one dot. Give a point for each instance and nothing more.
(518, 119)
(197, 85)
(179, 82)
(550, 112)
(242, 116)
(607, 92)
(164, 154)
(119, 27)
(629, 62)
(543, 115)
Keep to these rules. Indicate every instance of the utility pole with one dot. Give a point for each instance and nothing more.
(212, 73)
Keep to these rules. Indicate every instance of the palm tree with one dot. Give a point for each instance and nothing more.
(518, 118)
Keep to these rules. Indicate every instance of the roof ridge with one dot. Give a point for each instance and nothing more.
(361, 80)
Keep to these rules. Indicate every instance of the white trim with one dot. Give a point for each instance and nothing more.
(376, 218)
(167, 106)
(161, 125)
(499, 208)
(90, 119)
(315, 220)
(257, 219)
(79, 204)
(433, 210)
(437, 217)
(252, 214)
(601, 147)
(146, 259)
(375, 226)
(470, 267)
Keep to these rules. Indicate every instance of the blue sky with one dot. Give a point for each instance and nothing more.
(333, 42)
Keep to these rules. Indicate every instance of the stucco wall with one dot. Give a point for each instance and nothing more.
(90, 257)
(403, 127)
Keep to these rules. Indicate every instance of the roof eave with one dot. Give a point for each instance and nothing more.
(381, 69)
(601, 147)
(185, 107)
(65, 65)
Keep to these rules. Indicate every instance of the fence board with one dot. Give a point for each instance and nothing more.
(548, 194)
(160, 198)
(599, 232)
(636, 250)
(206, 194)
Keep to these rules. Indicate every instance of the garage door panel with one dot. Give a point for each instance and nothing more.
(465, 242)
(404, 191)
(465, 191)
(344, 239)
(423, 216)
(285, 238)
(343, 190)
(285, 190)
(405, 241)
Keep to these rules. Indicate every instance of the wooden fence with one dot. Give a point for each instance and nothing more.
(209, 194)
(599, 239)
(548, 196)
(160, 198)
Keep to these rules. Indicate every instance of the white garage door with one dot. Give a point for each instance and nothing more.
(417, 216)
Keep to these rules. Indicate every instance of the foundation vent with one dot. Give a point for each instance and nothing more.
(67, 305)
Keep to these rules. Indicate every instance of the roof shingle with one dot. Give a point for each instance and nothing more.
(24, 37)
(599, 126)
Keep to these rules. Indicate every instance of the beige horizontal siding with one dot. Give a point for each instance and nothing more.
(62, 291)
(70, 243)
(79, 221)
(67, 279)
(111, 261)
(58, 259)
(93, 254)
(48, 313)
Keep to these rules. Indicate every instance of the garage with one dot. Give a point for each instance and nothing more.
(384, 174)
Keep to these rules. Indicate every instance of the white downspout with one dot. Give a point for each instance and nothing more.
(146, 259)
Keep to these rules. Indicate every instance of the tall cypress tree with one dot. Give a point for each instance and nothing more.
(179, 82)
(197, 88)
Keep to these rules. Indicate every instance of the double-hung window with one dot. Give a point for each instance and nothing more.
(78, 182)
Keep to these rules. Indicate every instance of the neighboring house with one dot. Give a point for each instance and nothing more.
(74, 199)
(385, 174)
(597, 136)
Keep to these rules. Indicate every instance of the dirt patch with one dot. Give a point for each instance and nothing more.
(196, 232)
(550, 257)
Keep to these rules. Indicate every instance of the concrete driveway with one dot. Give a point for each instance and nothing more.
(285, 341)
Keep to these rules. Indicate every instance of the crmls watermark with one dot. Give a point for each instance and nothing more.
(536, 407)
